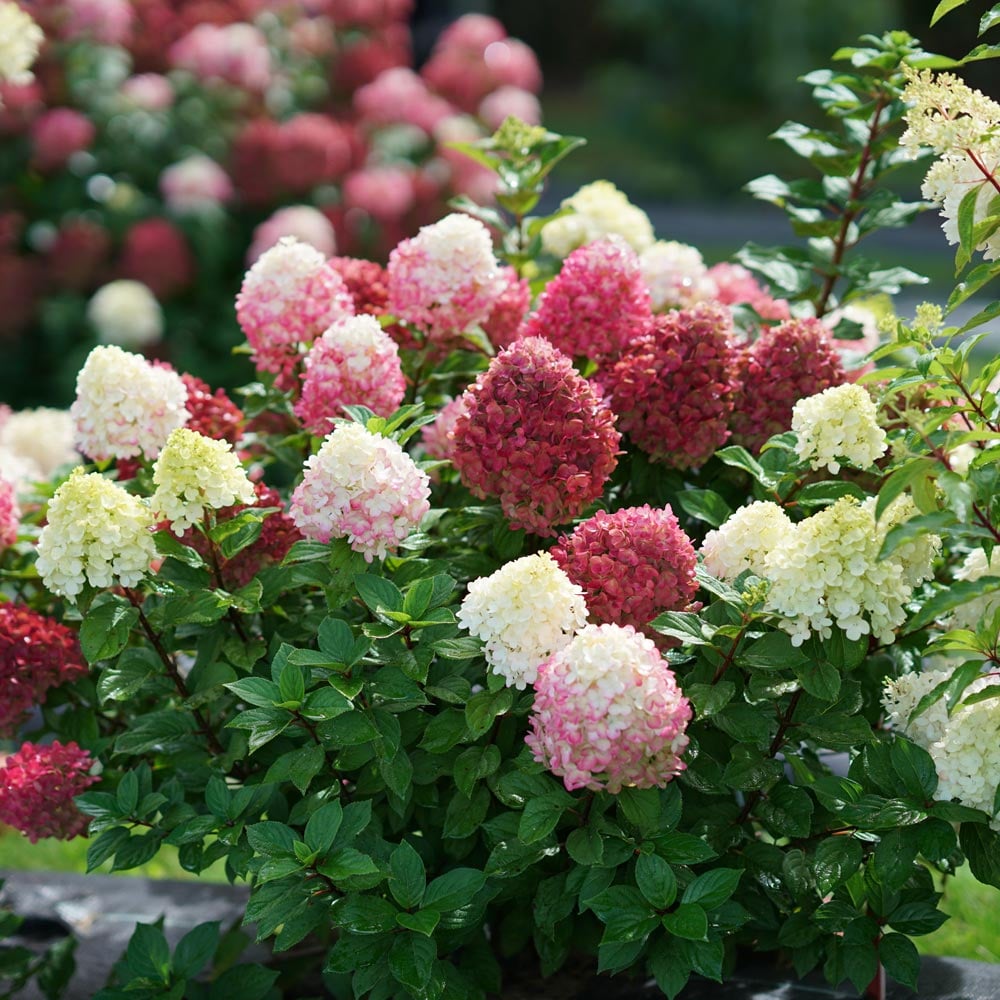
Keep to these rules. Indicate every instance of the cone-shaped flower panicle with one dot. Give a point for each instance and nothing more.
(36, 653)
(195, 474)
(362, 487)
(743, 541)
(608, 713)
(504, 323)
(126, 313)
(289, 297)
(355, 362)
(672, 387)
(598, 209)
(786, 364)
(125, 406)
(20, 40)
(675, 275)
(446, 278)
(37, 785)
(631, 564)
(97, 533)
(838, 424)
(535, 435)
(524, 612)
(596, 304)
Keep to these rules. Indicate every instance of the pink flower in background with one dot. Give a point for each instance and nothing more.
(79, 255)
(57, 134)
(256, 153)
(467, 176)
(20, 105)
(303, 222)
(106, 21)
(473, 32)
(37, 785)
(368, 13)
(438, 438)
(385, 192)
(195, 184)
(608, 713)
(366, 57)
(735, 285)
(36, 653)
(149, 91)
(313, 149)
(156, 253)
(354, 363)
(509, 309)
(785, 364)
(400, 95)
(10, 517)
(288, 298)
(506, 101)
(232, 53)
(534, 434)
(596, 304)
(632, 565)
(672, 386)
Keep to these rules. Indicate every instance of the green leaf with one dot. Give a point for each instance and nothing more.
(683, 625)
(407, 876)
(945, 7)
(916, 527)
(669, 965)
(263, 724)
(127, 793)
(347, 863)
(104, 846)
(272, 839)
(915, 769)
(378, 593)
(484, 707)
(641, 807)
(989, 20)
(688, 921)
(540, 816)
(105, 631)
(364, 914)
(462, 648)
(773, 651)
(656, 880)
(256, 691)
(819, 678)
(835, 861)
(323, 826)
(981, 846)
(916, 918)
(894, 857)
(585, 846)
(248, 982)
(713, 887)
(299, 767)
(683, 849)
(901, 960)
(148, 954)
(234, 535)
(195, 949)
(423, 921)
(958, 593)
(454, 889)
(411, 960)
(705, 505)
(787, 810)
(474, 764)
(128, 675)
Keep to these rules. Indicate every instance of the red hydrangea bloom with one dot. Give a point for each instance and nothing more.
(535, 434)
(366, 56)
(36, 653)
(366, 282)
(596, 304)
(78, 255)
(509, 309)
(57, 135)
(632, 565)
(735, 285)
(213, 414)
(672, 387)
(37, 785)
(256, 159)
(156, 253)
(785, 364)
(10, 516)
(315, 149)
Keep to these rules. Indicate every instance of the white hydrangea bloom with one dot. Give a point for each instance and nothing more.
(195, 474)
(961, 458)
(973, 613)
(838, 423)
(125, 406)
(19, 470)
(126, 313)
(96, 533)
(965, 747)
(951, 178)
(744, 540)
(20, 40)
(524, 612)
(43, 436)
(599, 209)
(915, 558)
(675, 275)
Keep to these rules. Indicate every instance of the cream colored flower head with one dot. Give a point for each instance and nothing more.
(524, 612)
(744, 540)
(20, 40)
(126, 313)
(96, 533)
(598, 209)
(195, 474)
(838, 424)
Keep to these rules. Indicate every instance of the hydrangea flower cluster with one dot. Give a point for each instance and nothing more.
(598, 209)
(596, 304)
(195, 185)
(10, 514)
(125, 406)
(362, 487)
(195, 474)
(785, 364)
(534, 434)
(20, 40)
(965, 746)
(631, 564)
(42, 435)
(97, 533)
(439, 438)
(445, 278)
(126, 313)
(672, 386)
(213, 414)
(915, 558)
(524, 612)
(735, 285)
(838, 423)
(980, 610)
(743, 541)
(289, 297)
(675, 275)
(307, 224)
(608, 713)
(511, 304)
(355, 362)
(37, 785)
(36, 653)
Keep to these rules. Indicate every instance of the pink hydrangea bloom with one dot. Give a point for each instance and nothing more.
(399, 95)
(231, 53)
(632, 565)
(289, 297)
(386, 193)
(354, 363)
(195, 184)
(506, 101)
(305, 223)
(313, 149)
(509, 309)
(785, 364)
(36, 653)
(57, 134)
(608, 713)
(438, 438)
(672, 387)
(596, 304)
(37, 785)
(150, 91)
(535, 435)
(445, 278)
(106, 21)
(10, 514)
(362, 487)
(735, 285)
